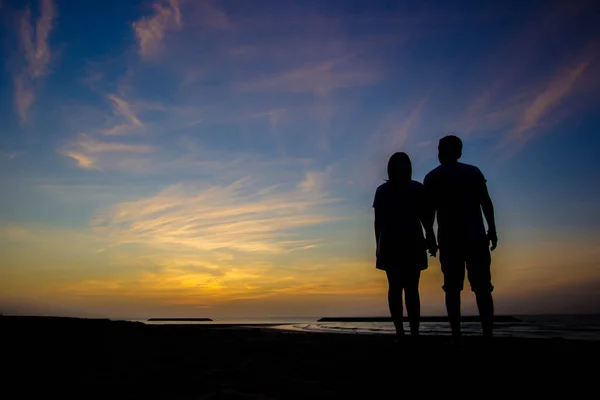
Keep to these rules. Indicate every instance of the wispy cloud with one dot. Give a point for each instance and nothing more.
(316, 181)
(124, 109)
(396, 128)
(520, 101)
(24, 95)
(86, 151)
(209, 14)
(239, 217)
(319, 78)
(35, 52)
(10, 155)
(35, 43)
(82, 160)
(542, 104)
(274, 116)
(150, 31)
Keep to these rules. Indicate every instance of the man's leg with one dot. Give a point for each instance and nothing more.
(453, 268)
(480, 279)
(395, 301)
(413, 302)
(485, 304)
(453, 309)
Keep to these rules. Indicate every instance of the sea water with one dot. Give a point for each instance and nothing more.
(534, 326)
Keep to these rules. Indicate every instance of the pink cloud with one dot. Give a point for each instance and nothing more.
(150, 31)
(35, 52)
(208, 14)
(538, 110)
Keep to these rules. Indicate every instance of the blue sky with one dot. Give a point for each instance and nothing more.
(220, 157)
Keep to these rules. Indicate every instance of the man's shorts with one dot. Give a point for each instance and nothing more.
(476, 260)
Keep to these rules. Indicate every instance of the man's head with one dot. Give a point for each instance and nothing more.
(449, 149)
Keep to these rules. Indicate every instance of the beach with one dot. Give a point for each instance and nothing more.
(89, 358)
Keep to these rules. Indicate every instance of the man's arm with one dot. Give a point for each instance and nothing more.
(488, 212)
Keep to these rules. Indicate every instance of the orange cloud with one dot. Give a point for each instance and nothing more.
(86, 151)
(82, 160)
(237, 217)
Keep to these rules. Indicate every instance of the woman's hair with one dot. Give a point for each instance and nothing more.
(399, 167)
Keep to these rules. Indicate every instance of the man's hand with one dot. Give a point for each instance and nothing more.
(493, 239)
(432, 251)
(432, 246)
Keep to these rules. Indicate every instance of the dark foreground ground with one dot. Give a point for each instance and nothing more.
(71, 358)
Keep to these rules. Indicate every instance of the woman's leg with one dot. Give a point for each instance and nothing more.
(413, 302)
(395, 302)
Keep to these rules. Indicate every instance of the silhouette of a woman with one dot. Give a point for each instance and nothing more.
(401, 214)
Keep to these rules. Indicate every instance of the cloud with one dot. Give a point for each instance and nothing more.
(86, 151)
(123, 109)
(516, 113)
(319, 78)
(150, 31)
(11, 231)
(397, 126)
(490, 112)
(35, 52)
(393, 133)
(35, 45)
(10, 155)
(542, 103)
(274, 116)
(241, 217)
(315, 181)
(83, 161)
(210, 15)
(425, 143)
(24, 95)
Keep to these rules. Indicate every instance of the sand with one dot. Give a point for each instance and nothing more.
(77, 358)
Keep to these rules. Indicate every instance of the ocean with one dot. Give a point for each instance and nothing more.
(583, 327)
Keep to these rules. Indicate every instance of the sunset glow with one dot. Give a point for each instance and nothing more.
(219, 159)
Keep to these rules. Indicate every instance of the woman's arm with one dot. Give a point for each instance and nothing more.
(377, 225)
(427, 217)
(377, 209)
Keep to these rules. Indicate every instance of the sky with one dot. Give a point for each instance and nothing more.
(198, 158)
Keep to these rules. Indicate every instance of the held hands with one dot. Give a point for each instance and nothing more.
(432, 251)
(492, 237)
(432, 246)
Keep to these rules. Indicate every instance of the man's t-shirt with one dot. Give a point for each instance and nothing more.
(455, 191)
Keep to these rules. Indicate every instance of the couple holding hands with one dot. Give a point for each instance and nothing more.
(456, 194)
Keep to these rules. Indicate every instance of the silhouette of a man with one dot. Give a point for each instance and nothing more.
(458, 193)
